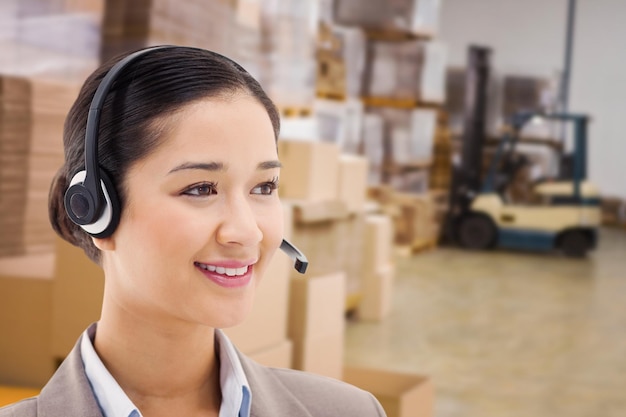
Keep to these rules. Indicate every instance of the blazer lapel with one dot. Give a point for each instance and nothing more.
(68, 393)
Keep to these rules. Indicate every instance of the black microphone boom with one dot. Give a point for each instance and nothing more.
(301, 262)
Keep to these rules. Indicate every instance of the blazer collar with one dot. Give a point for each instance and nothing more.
(68, 393)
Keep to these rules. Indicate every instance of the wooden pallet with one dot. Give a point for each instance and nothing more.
(291, 112)
(395, 35)
(423, 245)
(327, 95)
(397, 103)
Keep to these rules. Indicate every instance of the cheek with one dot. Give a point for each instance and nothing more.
(159, 232)
(273, 226)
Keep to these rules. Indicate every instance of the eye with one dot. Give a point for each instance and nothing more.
(267, 188)
(201, 190)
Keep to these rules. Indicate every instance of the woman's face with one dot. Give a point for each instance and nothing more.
(202, 218)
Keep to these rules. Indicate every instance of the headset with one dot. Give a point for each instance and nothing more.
(91, 201)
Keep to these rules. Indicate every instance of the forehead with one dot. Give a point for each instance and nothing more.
(226, 127)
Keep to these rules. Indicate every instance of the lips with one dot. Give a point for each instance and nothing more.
(231, 272)
(234, 274)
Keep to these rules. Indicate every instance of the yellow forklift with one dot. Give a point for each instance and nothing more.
(566, 215)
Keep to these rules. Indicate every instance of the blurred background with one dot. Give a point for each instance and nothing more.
(452, 170)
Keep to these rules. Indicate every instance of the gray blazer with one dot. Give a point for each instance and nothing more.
(275, 393)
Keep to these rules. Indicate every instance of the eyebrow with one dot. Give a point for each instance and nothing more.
(269, 165)
(206, 166)
(218, 166)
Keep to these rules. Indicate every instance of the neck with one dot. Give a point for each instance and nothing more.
(159, 364)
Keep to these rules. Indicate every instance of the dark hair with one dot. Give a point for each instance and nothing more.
(150, 88)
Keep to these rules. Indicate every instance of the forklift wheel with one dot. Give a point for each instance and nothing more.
(574, 244)
(477, 232)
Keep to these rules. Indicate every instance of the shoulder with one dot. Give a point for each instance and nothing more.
(317, 384)
(24, 408)
(318, 395)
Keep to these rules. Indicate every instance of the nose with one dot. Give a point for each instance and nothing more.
(239, 224)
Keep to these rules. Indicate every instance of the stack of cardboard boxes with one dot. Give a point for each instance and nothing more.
(274, 41)
(132, 25)
(348, 249)
(289, 32)
(413, 16)
(382, 55)
(49, 37)
(32, 113)
(310, 182)
(417, 218)
(14, 147)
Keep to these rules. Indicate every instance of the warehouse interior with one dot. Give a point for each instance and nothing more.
(450, 169)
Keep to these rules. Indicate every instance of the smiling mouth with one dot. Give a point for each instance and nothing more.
(230, 272)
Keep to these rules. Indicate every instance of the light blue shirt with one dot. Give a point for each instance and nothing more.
(114, 402)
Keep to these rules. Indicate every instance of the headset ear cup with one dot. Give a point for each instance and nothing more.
(79, 202)
(109, 216)
(112, 199)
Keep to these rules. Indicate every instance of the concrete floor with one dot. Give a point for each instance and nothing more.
(507, 334)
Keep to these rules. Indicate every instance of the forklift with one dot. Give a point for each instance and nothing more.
(567, 214)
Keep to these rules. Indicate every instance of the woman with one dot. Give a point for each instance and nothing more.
(187, 140)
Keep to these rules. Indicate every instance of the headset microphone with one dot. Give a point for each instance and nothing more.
(301, 262)
(91, 201)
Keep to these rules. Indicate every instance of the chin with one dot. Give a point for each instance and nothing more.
(232, 314)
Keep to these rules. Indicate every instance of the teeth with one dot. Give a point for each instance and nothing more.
(231, 272)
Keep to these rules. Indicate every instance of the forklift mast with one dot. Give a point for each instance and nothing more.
(466, 176)
(474, 123)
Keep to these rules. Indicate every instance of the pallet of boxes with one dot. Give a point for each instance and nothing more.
(389, 48)
(400, 67)
(350, 266)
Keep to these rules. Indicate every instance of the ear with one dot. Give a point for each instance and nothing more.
(104, 244)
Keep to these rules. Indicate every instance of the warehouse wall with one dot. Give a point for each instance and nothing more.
(529, 38)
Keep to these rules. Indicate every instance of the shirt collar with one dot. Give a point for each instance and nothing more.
(236, 395)
(112, 399)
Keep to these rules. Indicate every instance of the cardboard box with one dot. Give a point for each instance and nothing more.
(414, 218)
(77, 296)
(377, 293)
(412, 71)
(316, 305)
(307, 212)
(320, 354)
(279, 355)
(25, 306)
(340, 122)
(414, 16)
(10, 395)
(409, 135)
(400, 394)
(378, 237)
(350, 243)
(310, 170)
(341, 59)
(332, 240)
(353, 171)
